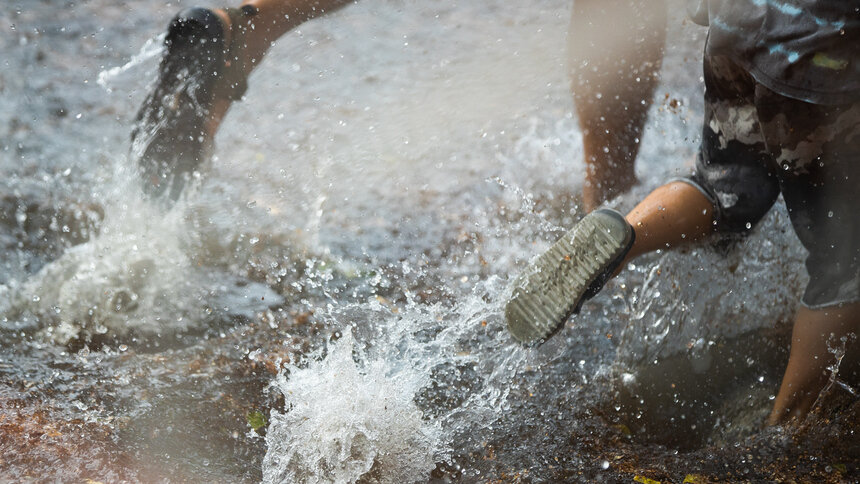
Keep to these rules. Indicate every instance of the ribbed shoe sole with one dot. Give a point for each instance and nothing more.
(556, 283)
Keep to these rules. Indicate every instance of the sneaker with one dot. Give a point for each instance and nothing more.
(171, 139)
(574, 269)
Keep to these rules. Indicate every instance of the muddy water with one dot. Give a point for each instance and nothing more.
(324, 305)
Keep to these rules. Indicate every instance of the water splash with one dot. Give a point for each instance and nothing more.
(137, 275)
(345, 421)
(127, 76)
(398, 386)
(686, 298)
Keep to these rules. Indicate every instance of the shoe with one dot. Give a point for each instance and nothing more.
(170, 139)
(572, 271)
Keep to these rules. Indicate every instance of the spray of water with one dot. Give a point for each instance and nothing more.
(139, 274)
(120, 78)
(690, 298)
(387, 400)
(345, 421)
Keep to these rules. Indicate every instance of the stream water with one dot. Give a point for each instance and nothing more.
(324, 303)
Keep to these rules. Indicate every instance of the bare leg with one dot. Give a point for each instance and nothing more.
(273, 19)
(806, 372)
(671, 215)
(616, 49)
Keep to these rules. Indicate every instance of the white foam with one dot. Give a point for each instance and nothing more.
(133, 275)
(346, 419)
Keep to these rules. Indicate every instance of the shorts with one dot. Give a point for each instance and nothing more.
(757, 144)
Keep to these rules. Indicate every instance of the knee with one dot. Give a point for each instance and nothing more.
(741, 209)
(742, 193)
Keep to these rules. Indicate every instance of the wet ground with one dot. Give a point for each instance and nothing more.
(325, 304)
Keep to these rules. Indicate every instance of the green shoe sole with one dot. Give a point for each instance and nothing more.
(574, 269)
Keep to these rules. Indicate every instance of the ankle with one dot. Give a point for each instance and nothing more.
(243, 42)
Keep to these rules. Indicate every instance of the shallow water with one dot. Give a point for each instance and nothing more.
(324, 306)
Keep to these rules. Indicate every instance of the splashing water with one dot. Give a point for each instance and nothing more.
(397, 395)
(764, 278)
(369, 424)
(388, 173)
(136, 275)
(126, 76)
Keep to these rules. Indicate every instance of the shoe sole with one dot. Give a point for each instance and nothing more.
(556, 284)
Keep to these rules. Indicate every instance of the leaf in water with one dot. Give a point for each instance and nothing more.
(645, 480)
(256, 419)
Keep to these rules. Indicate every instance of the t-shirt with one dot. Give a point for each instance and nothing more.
(803, 49)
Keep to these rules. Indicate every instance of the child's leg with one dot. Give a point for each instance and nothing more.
(208, 56)
(816, 149)
(815, 332)
(614, 71)
(273, 18)
(577, 265)
(732, 189)
(669, 216)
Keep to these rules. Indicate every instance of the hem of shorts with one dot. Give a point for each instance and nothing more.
(833, 98)
(829, 304)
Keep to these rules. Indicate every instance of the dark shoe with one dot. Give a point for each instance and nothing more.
(573, 270)
(170, 138)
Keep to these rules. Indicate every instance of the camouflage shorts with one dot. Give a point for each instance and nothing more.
(757, 144)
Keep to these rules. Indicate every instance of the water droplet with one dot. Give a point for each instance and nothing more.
(749, 225)
(830, 214)
(605, 465)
